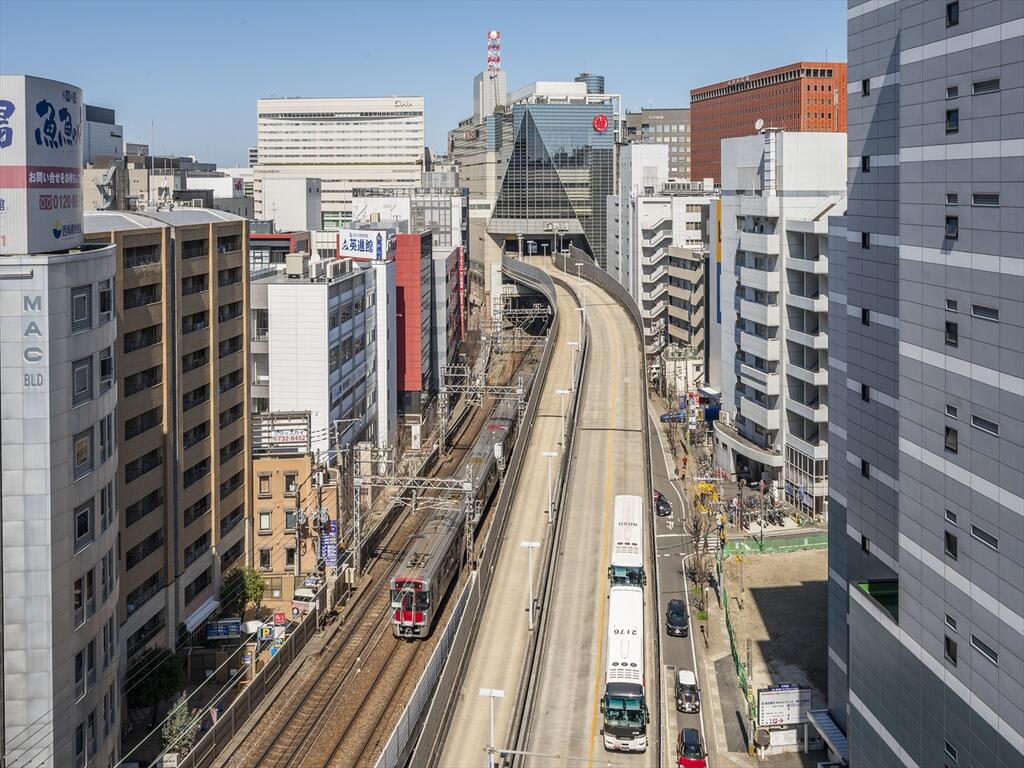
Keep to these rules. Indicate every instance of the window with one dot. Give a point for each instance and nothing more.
(289, 557)
(81, 381)
(950, 650)
(264, 486)
(979, 422)
(952, 121)
(196, 510)
(865, 469)
(141, 296)
(950, 751)
(865, 87)
(951, 517)
(142, 380)
(952, 91)
(265, 558)
(195, 397)
(985, 649)
(90, 663)
(196, 435)
(985, 313)
(145, 421)
(865, 393)
(194, 284)
(985, 198)
(952, 14)
(136, 468)
(952, 440)
(865, 544)
(290, 480)
(951, 305)
(196, 359)
(193, 322)
(952, 227)
(984, 537)
(106, 369)
(865, 163)
(987, 86)
(952, 198)
(81, 308)
(83, 454)
(952, 334)
(265, 523)
(951, 411)
(141, 255)
(195, 473)
(951, 622)
(865, 239)
(83, 525)
(193, 249)
(78, 602)
(865, 317)
(193, 590)
(79, 735)
(106, 294)
(951, 545)
(289, 519)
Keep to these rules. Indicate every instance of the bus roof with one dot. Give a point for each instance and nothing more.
(625, 661)
(628, 532)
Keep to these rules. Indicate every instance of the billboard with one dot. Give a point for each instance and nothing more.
(783, 705)
(41, 138)
(373, 245)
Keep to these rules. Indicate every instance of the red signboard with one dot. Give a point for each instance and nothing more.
(279, 618)
(601, 123)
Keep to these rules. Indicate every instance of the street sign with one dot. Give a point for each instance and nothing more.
(266, 632)
(329, 548)
(279, 618)
(225, 629)
(783, 705)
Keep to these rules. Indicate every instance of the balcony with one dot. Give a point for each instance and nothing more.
(658, 238)
(765, 314)
(655, 292)
(756, 242)
(816, 412)
(818, 266)
(657, 275)
(812, 303)
(653, 258)
(758, 205)
(762, 380)
(740, 444)
(769, 418)
(815, 376)
(885, 593)
(760, 279)
(766, 349)
(816, 450)
(817, 340)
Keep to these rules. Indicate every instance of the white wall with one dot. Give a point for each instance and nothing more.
(293, 202)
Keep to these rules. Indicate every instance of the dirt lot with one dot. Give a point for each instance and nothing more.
(785, 615)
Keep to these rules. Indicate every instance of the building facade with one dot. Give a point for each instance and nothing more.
(926, 606)
(103, 140)
(805, 96)
(413, 289)
(182, 373)
(442, 210)
(663, 126)
(778, 192)
(344, 142)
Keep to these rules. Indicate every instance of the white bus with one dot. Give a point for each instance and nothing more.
(627, 567)
(624, 704)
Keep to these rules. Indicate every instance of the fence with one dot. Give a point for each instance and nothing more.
(756, 546)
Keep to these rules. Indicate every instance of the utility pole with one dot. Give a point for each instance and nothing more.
(549, 455)
(529, 546)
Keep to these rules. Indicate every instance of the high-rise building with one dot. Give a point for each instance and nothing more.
(442, 210)
(103, 141)
(663, 126)
(594, 83)
(926, 603)
(778, 192)
(183, 386)
(344, 142)
(58, 451)
(805, 96)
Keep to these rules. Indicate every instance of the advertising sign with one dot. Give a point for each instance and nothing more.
(266, 632)
(329, 548)
(363, 244)
(225, 629)
(783, 705)
(41, 137)
(279, 618)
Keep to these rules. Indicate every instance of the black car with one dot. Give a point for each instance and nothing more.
(677, 622)
(661, 505)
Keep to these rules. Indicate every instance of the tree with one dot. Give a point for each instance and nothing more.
(180, 728)
(156, 676)
(240, 587)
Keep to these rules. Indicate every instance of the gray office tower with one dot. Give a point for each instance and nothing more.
(926, 387)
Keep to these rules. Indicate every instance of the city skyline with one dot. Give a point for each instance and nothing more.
(144, 90)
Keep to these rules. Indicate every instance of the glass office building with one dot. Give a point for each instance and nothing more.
(558, 174)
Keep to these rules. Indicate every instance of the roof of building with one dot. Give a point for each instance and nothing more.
(116, 221)
(150, 218)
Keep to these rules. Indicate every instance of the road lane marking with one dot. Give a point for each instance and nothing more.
(603, 573)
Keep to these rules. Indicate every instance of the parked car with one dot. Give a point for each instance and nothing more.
(667, 418)
(677, 622)
(662, 506)
(690, 749)
(687, 692)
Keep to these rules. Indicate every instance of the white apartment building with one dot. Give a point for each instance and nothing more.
(344, 142)
(323, 342)
(779, 191)
(647, 230)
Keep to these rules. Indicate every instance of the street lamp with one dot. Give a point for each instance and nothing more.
(492, 694)
(561, 414)
(529, 546)
(549, 455)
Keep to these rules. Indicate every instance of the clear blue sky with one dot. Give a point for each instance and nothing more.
(189, 73)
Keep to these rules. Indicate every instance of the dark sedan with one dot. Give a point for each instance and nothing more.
(677, 621)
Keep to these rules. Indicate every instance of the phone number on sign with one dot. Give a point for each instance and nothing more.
(58, 202)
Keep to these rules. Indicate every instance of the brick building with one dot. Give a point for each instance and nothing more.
(412, 313)
(805, 96)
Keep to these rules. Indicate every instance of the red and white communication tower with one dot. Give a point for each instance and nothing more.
(493, 52)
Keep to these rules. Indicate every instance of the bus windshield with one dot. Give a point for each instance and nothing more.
(624, 712)
(629, 576)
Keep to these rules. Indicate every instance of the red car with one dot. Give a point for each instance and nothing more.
(690, 749)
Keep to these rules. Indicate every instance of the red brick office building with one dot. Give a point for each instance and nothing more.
(412, 315)
(805, 96)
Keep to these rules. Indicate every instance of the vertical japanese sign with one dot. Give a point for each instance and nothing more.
(40, 165)
(329, 547)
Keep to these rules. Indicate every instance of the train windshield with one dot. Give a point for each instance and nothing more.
(408, 600)
(624, 711)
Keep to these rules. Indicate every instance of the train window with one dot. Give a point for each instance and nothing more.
(422, 601)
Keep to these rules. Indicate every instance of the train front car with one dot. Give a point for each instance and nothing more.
(429, 566)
